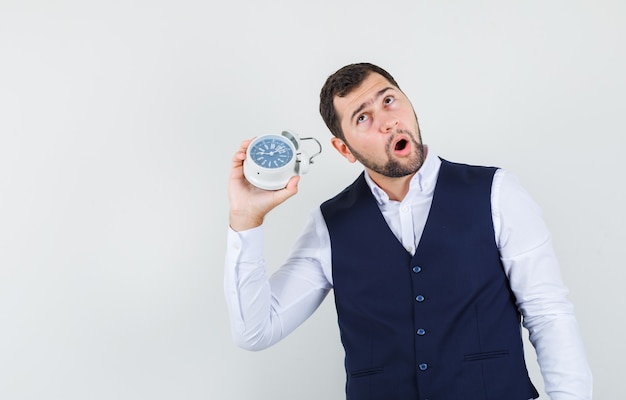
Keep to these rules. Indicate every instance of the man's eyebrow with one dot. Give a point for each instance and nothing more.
(365, 104)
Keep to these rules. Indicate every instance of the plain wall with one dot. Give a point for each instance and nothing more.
(118, 121)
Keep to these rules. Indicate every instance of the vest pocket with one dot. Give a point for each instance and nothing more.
(366, 372)
(485, 355)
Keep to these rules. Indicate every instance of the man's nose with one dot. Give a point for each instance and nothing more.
(389, 124)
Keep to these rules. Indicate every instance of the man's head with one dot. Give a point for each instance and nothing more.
(340, 84)
(372, 120)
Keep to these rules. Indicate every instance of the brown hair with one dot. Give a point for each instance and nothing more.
(340, 84)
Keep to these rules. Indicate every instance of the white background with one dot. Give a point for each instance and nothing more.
(118, 120)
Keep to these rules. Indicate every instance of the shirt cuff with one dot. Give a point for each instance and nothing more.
(246, 245)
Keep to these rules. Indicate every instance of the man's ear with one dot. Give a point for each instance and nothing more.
(343, 149)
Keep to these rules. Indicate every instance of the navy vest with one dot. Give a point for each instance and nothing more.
(440, 325)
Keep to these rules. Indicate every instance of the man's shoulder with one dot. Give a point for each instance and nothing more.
(347, 197)
(460, 165)
(466, 171)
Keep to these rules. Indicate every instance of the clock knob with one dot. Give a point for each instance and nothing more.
(303, 165)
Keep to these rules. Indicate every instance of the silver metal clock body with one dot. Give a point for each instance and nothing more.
(271, 160)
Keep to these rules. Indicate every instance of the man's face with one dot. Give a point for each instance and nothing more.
(380, 128)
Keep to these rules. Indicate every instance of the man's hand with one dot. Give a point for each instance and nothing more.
(249, 204)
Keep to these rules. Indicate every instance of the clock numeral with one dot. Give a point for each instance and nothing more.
(271, 153)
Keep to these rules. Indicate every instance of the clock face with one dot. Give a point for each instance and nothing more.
(271, 152)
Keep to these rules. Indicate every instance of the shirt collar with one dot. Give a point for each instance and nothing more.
(422, 181)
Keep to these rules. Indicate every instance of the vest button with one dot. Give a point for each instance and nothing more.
(417, 269)
(423, 367)
(419, 298)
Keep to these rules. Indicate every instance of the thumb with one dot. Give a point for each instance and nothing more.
(289, 190)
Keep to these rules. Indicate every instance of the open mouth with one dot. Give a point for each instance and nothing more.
(401, 145)
(402, 148)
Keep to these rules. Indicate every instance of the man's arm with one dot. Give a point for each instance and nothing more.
(264, 309)
(533, 270)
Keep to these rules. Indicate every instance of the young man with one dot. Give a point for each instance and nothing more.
(433, 264)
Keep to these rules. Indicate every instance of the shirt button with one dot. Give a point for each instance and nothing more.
(419, 298)
(423, 367)
(404, 209)
(417, 269)
(421, 332)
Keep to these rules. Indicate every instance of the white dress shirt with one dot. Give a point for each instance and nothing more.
(264, 309)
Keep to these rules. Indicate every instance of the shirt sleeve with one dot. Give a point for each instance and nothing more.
(264, 309)
(533, 270)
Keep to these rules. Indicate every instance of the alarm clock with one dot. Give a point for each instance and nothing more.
(271, 160)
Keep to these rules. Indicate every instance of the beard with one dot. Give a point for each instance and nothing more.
(395, 167)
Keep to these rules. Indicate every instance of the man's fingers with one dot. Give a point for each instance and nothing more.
(240, 155)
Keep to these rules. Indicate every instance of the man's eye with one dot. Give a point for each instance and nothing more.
(361, 118)
(388, 100)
